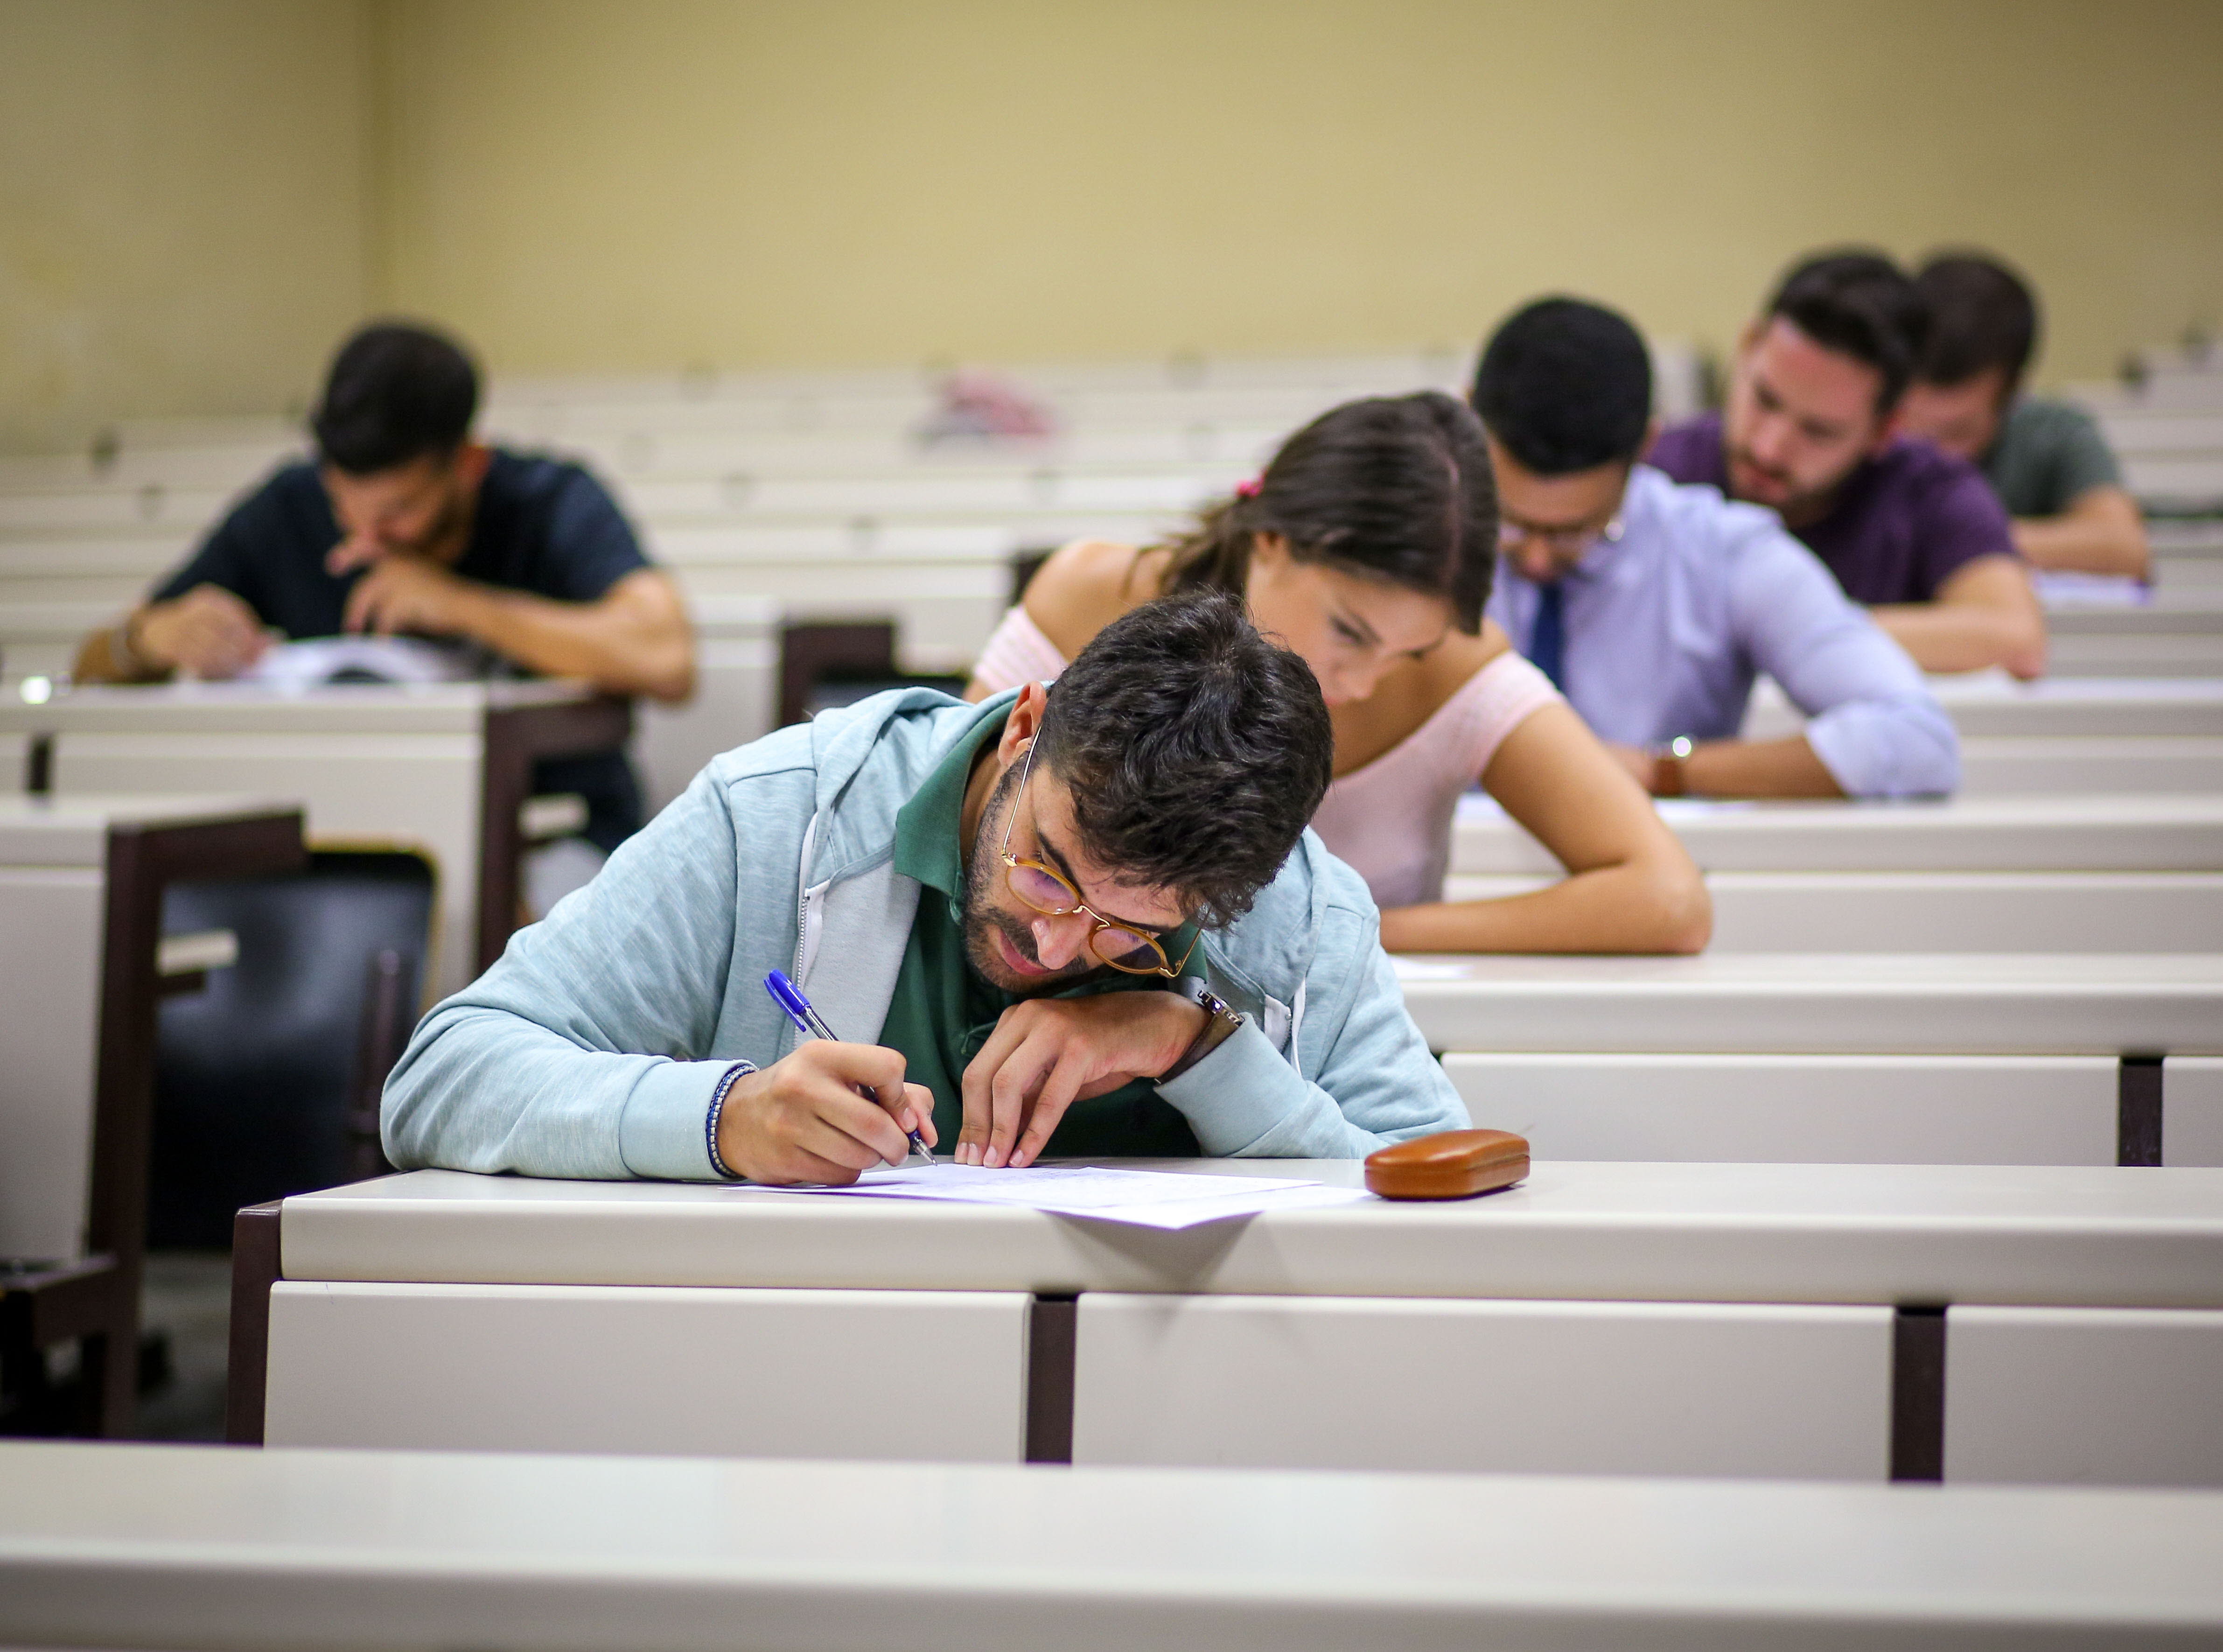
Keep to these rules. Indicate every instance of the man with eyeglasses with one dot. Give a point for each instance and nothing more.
(1080, 921)
(1653, 606)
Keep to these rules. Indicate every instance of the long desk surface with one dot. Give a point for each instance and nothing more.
(2167, 612)
(2075, 654)
(1992, 702)
(1942, 912)
(1619, 1231)
(252, 708)
(2057, 833)
(2051, 1003)
(158, 1547)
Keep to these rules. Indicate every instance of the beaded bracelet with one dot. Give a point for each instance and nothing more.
(738, 1069)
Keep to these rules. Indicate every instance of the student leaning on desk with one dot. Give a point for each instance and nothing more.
(2047, 460)
(1652, 607)
(1084, 920)
(1812, 428)
(405, 525)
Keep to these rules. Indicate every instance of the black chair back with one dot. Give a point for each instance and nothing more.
(266, 1080)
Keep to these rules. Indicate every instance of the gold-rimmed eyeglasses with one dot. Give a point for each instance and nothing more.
(1048, 890)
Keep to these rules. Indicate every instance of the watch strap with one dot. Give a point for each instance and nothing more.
(1219, 1018)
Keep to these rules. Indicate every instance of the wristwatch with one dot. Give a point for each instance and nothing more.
(122, 651)
(1220, 1024)
(1667, 777)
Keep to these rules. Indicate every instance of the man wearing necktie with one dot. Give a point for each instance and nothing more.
(1548, 636)
(1653, 606)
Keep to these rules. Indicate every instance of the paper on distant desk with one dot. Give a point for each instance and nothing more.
(1142, 1198)
(316, 662)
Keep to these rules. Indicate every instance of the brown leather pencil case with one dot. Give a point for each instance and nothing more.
(1451, 1164)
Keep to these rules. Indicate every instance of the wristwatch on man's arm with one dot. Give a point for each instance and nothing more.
(1668, 779)
(1220, 1024)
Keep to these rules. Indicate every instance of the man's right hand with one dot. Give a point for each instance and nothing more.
(207, 633)
(802, 1119)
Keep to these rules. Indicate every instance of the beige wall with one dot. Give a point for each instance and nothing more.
(198, 196)
(588, 185)
(183, 193)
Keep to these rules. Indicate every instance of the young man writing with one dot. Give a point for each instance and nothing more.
(1811, 429)
(2046, 460)
(1653, 606)
(1083, 921)
(403, 524)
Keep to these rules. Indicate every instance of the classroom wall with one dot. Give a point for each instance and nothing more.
(182, 207)
(584, 186)
(197, 197)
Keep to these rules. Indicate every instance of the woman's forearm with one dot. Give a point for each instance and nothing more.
(1631, 908)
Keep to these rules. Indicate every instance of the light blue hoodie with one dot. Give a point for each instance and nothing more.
(592, 1048)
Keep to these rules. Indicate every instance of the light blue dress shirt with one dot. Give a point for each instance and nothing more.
(1667, 627)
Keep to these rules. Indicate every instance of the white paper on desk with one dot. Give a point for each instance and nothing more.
(315, 662)
(1140, 1198)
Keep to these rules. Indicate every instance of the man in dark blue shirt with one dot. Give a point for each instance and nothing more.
(403, 524)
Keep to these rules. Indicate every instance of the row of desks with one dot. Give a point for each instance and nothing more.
(2053, 1003)
(1848, 1322)
(945, 572)
(679, 466)
(1944, 912)
(442, 769)
(2093, 832)
(158, 1547)
(2023, 1059)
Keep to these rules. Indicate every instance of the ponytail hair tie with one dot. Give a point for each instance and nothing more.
(1247, 489)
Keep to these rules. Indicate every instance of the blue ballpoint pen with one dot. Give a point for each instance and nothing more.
(785, 993)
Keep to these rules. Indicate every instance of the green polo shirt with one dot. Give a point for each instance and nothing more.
(2047, 455)
(942, 1013)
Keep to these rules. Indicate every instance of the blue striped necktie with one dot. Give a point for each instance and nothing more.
(1548, 639)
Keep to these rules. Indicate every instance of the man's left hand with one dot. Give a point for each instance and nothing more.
(1047, 1053)
(405, 593)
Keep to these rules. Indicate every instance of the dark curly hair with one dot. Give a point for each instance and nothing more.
(1194, 749)
(1392, 487)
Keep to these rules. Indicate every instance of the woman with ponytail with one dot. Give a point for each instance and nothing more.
(1367, 547)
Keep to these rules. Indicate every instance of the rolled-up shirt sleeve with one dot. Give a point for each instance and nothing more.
(1871, 719)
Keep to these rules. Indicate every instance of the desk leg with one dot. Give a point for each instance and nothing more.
(2138, 1110)
(254, 1268)
(1053, 1331)
(1917, 1394)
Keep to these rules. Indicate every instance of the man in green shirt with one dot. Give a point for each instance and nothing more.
(945, 1010)
(2046, 460)
(1078, 920)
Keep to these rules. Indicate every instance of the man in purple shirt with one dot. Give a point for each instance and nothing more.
(1811, 429)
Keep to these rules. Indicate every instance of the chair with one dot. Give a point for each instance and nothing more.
(821, 667)
(266, 1083)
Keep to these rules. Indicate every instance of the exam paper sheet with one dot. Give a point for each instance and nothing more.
(1141, 1198)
